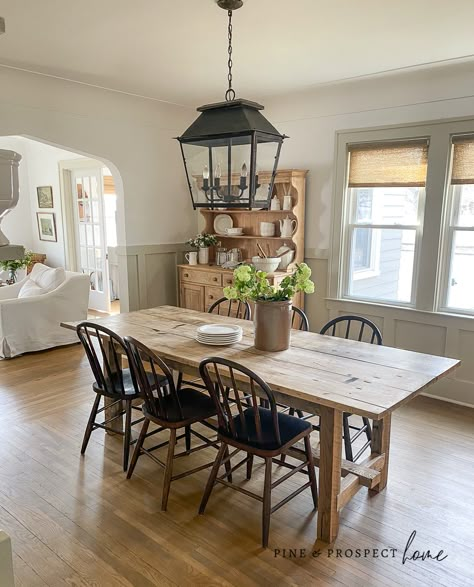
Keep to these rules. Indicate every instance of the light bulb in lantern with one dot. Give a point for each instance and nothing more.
(205, 178)
(243, 172)
(217, 172)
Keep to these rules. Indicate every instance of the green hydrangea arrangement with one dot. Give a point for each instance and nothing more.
(252, 285)
(202, 240)
(13, 265)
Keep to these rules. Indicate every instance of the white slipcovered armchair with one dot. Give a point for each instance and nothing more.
(32, 309)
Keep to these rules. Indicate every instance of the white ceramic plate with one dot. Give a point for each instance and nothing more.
(233, 335)
(218, 343)
(222, 222)
(219, 329)
(219, 340)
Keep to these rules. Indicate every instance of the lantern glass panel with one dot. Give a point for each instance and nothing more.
(219, 171)
(196, 158)
(267, 151)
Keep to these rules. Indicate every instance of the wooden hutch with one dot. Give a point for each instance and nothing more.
(201, 285)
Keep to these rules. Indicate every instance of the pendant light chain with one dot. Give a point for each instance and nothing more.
(230, 94)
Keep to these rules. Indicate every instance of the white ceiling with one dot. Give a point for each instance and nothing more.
(175, 50)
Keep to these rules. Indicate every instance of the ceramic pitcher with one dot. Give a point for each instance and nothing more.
(287, 226)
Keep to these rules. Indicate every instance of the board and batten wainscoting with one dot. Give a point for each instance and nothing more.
(445, 335)
(148, 275)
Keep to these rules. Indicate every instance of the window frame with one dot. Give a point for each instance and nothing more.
(450, 228)
(350, 224)
(429, 279)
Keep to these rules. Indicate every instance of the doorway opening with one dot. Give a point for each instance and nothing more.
(90, 206)
(46, 199)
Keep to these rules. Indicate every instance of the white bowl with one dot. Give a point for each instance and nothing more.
(269, 264)
(234, 231)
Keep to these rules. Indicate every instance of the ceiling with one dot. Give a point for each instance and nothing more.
(176, 50)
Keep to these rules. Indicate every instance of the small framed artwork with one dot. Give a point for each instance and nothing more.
(45, 196)
(47, 226)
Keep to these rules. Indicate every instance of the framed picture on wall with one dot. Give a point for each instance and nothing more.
(45, 196)
(47, 226)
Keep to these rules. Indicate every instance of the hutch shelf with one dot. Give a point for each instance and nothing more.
(201, 285)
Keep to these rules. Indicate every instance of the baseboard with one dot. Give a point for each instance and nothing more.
(446, 399)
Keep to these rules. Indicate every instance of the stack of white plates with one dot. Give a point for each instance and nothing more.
(218, 334)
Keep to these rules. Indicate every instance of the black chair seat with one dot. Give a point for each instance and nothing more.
(195, 406)
(128, 387)
(290, 428)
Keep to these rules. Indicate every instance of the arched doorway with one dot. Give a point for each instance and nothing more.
(83, 206)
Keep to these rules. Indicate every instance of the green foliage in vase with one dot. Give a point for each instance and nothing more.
(252, 285)
(14, 265)
(202, 240)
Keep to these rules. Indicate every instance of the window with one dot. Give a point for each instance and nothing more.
(459, 291)
(384, 205)
(403, 215)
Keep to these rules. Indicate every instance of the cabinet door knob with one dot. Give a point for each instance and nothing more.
(211, 297)
(186, 275)
(215, 279)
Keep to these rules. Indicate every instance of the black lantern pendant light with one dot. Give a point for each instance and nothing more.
(226, 146)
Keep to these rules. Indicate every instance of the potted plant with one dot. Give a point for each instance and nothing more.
(13, 265)
(202, 242)
(273, 311)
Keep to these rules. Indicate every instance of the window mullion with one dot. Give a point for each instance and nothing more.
(431, 221)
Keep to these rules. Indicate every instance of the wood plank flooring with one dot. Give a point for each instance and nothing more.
(78, 521)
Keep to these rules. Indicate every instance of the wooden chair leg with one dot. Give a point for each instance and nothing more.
(291, 412)
(347, 437)
(138, 448)
(312, 474)
(267, 502)
(187, 437)
(212, 477)
(90, 424)
(127, 433)
(168, 470)
(228, 466)
(249, 467)
(179, 381)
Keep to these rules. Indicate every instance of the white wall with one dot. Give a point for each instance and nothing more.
(42, 164)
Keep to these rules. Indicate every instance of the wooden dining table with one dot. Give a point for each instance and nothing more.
(318, 374)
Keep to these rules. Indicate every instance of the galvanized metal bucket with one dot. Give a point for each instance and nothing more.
(272, 325)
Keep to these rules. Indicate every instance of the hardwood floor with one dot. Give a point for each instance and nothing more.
(78, 521)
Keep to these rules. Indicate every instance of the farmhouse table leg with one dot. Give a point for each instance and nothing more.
(329, 473)
(110, 409)
(381, 445)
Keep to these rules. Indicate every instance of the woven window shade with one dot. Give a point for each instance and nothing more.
(463, 160)
(388, 164)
